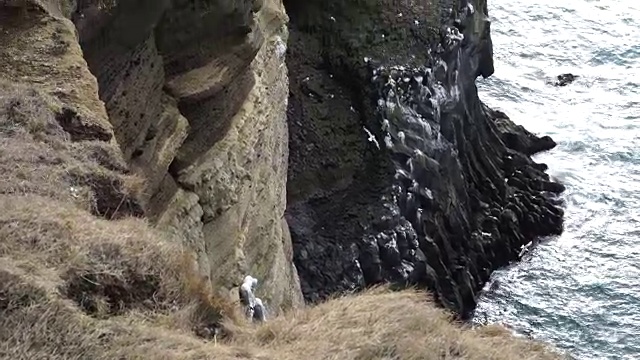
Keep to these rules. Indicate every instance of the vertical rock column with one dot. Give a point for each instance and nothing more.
(231, 170)
(197, 95)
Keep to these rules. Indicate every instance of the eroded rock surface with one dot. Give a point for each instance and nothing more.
(197, 94)
(451, 194)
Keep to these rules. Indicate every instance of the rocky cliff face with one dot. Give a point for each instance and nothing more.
(371, 134)
(446, 192)
(196, 93)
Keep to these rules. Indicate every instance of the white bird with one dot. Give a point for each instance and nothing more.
(371, 138)
(525, 249)
(401, 137)
(281, 47)
(470, 9)
(385, 125)
(246, 294)
(387, 141)
(260, 313)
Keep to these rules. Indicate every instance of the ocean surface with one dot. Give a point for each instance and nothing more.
(580, 291)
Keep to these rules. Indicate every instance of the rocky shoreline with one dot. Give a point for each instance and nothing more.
(450, 195)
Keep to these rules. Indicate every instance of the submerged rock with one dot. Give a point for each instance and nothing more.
(564, 79)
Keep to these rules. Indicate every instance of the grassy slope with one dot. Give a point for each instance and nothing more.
(79, 279)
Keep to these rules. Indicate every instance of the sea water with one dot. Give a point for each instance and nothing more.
(579, 291)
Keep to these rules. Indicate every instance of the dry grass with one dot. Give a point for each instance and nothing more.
(374, 325)
(380, 324)
(38, 157)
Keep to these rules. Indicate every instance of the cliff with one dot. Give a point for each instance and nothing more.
(155, 152)
(196, 94)
(446, 193)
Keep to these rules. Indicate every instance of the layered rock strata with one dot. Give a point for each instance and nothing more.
(196, 93)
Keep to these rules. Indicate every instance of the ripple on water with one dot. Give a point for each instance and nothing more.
(580, 291)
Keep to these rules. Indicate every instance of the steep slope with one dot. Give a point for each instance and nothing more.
(196, 95)
(447, 192)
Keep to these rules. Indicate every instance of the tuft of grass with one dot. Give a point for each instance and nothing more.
(106, 267)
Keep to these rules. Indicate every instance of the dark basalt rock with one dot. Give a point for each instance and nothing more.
(451, 194)
(565, 79)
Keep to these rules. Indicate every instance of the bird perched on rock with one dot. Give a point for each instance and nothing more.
(254, 307)
(281, 47)
(247, 298)
(259, 311)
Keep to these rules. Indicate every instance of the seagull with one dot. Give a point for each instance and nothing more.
(371, 138)
(387, 141)
(260, 313)
(525, 249)
(246, 294)
(385, 125)
(470, 9)
(281, 47)
(401, 136)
